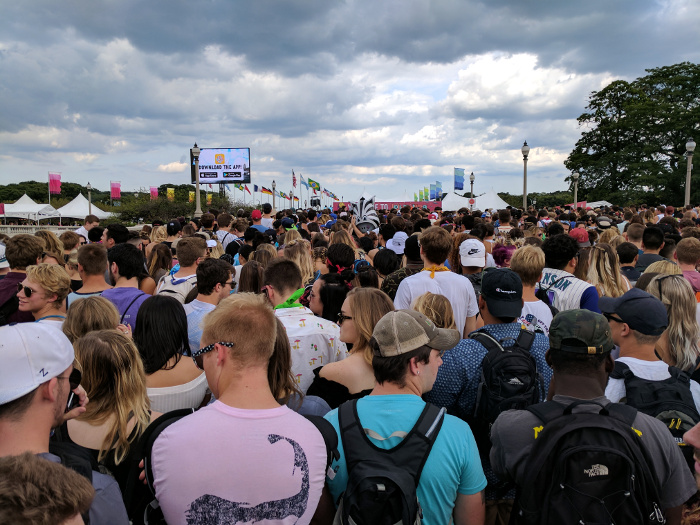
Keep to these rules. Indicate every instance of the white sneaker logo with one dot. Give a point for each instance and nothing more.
(515, 381)
(596, 470)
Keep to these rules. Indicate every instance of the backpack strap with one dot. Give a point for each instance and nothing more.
(551, 410)
(679, 375)
(121, 320)
(330, 438)
(621, 371)
(486, 340)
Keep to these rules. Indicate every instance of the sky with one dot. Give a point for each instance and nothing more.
(361, 96)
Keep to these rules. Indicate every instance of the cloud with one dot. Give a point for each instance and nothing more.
(173, 167)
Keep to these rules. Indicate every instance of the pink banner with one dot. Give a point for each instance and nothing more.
(154, 193)
(2, 208)
(54, 183)
(115, 190)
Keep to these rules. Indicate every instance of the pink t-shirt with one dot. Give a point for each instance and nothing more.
(252, 466)
(693, 276)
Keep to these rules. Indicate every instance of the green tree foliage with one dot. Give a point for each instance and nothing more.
(632, 148)
(39, 192)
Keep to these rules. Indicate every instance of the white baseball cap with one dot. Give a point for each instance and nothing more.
(31, 354)
(472, 253)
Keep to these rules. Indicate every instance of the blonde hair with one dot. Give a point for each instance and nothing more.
(437, 308)
(51, 242)
(604, 271)
(299, 252)
(72, 262)
(115, 383)
(246, 320)
(343, 237)
(528, 262)
(665, 267)
(683, 331)
(53, 279)
(89, 314)
(368, 306)
(159, 234)
(263, 254)
(291, 235)
(216, 251)
(609, 234)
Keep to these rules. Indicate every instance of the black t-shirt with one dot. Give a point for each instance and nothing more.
(331, 392)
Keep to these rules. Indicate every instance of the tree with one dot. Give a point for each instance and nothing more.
(634, 147)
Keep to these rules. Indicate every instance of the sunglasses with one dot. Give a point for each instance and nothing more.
(73, 379)
(610, 317)
(27, 291)
(198, 356)
(342, 318)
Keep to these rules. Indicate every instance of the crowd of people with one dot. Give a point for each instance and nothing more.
(291, 367)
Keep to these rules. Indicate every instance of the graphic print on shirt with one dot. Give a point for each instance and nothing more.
(204, 508)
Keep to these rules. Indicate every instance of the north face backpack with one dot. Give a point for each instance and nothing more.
(382, 483)
(509, 380)
(670, 401)
(587, 467)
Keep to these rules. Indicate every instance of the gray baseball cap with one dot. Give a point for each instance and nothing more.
(403, 331)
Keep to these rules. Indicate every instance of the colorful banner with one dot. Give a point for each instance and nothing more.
(459, 179)
(266, 191)
(154, 193)
(54, 183)
(115, 190)
(303, 182)
(421, 197)
(438, 190)
(171, 194)
(294, 180)
(2, 208)
(314, 185)
(426, 193)
(191, 196)
(209, 196)
(432, 192)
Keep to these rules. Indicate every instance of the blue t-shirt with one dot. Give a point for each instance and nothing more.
(453, 466)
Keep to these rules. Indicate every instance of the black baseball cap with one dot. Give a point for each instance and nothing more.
(502, 290)
(639, 310)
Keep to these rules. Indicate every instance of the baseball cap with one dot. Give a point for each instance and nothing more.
(3, 258)
(397, 243)
(31, 354)
(288, 223)
(581, 236)
(641, 311)
(580, 332)
(472, 253)
(403, 331)
(603, 223)
(502, 290)
(255, 215)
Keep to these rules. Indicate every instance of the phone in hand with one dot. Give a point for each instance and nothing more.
(73, 401)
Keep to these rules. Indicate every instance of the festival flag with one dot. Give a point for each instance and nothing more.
(426, 193)
(282, 194)
(421, 197)
(255, 188)
(438, 191)
(459, 179)
(171, 194)
(115, 188)
(54, 183)
(294, 179)
(154, 193)
(246, 189)
(415, 197)
(209, 197)
(191, 196)
(2, 208)
(432, 192)
(296, 198)
(314, 185)
(266, 191)
(303, 182)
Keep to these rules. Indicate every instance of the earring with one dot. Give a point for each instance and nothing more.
(417, 372)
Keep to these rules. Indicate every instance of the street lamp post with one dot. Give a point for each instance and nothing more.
(471, 192)
(291, 199)
(195, 154)
(575, 176)
(689, 147)
(525, 150)
(273, 194)
(89, 189)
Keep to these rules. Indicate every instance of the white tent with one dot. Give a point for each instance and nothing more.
(79, 208)
(598, 204)
(26, 208)
(489, 200)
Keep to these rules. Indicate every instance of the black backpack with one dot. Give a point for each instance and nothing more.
(587, 467)
(7, 309)
(381, 488)
(153, 515)
(670, 401)
(509, 380)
